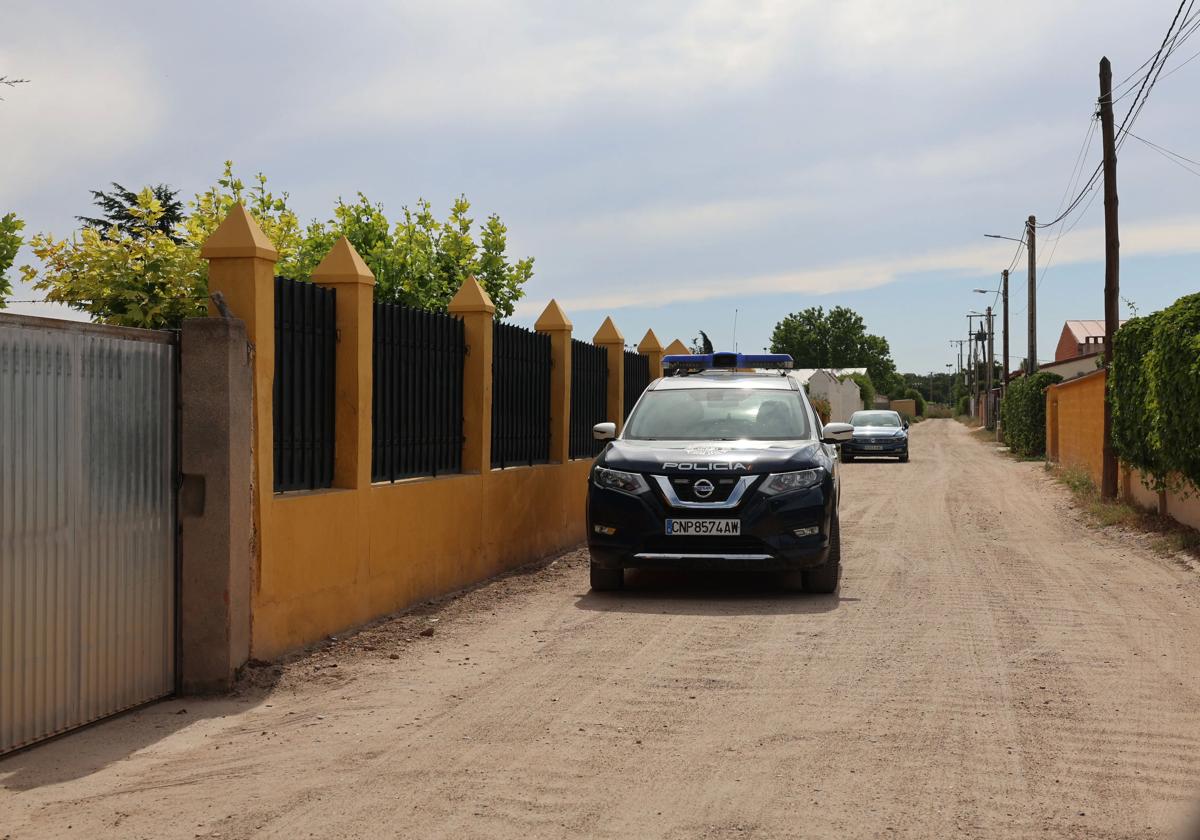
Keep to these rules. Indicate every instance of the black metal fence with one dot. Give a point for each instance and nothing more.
(637, 377)
(417, 410)
(589, 396)
(305, 343)
(520, 396)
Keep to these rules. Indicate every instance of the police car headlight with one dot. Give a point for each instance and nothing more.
(622, 482)
(789, 481)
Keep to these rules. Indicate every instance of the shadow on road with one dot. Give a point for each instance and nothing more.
(677, 592)
(88, 750)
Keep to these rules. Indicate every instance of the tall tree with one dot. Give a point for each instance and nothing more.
(121, 210)
(10, 243)
(836, 339)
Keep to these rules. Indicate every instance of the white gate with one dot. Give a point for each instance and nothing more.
(87, 523)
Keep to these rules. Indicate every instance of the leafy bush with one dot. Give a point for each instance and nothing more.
(937, 410)
(1023, 413)
(866, 388)
(1154, 387)
(915, 395)
(1131, 391)
(823, 408)
(964, 406)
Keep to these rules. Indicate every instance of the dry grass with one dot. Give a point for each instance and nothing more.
(1171, 536)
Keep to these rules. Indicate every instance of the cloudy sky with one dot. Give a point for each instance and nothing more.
(666, 162)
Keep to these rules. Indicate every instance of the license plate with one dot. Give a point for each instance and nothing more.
(703, 527)
(873, 446)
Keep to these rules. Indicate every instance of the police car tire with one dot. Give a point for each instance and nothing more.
(904, 458)
(604, 580)
(824, 579)
(846, 459)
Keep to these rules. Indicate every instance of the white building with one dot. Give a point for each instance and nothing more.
(844, 397)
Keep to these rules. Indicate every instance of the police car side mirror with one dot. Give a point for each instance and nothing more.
(837, 432)
(604, 431)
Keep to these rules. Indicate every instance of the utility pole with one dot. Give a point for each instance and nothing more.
(991, 419)
(1004, 297)
(1031, 235)
(1112, 271)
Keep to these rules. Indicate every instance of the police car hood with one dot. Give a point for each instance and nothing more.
(735, 457)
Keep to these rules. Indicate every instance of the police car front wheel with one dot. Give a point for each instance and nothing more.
(604, 580)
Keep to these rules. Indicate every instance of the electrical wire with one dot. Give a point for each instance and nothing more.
(1175, 158)
(1169, 43)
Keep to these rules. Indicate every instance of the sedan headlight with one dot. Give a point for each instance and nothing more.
(789, 481)
(622, 482)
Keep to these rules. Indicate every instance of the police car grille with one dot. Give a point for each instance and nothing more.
(685, 488)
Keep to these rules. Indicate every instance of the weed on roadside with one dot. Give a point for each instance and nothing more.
(1171, 537)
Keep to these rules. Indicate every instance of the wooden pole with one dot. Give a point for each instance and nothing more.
(991, 356)
(1004, 298)
(1031, 365)
(1112, 270)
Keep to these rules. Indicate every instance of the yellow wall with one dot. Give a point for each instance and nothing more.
(908, 407)
(1079, 407)
(334, 559)
(1075, 436)
(328, 560)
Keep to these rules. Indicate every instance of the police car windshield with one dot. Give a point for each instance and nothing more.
(719, 414)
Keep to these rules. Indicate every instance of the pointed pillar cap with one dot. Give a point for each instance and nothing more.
(343, 265)
(608, 333)
(472, 298)
(238, 236)
(649, 343)
(677, 348)
(552, 319)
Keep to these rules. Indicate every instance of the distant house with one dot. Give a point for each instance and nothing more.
(1080, 338)
(844, 398)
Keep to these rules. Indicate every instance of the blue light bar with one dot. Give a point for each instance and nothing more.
(728, 361)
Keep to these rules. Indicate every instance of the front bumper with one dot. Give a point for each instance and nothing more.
(767, 540)
(883, 448)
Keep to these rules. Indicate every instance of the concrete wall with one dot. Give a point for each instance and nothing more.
(331, 559)
(214, 503)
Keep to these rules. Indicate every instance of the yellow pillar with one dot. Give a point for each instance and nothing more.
(557, 325)
(344, 271)
(676, 348)
(610, 338)
(473, 305)
(650, 346)
(241, 266)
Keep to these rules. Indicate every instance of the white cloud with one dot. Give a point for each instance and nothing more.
(1179, 235)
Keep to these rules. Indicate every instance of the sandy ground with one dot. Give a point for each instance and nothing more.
(993, 667)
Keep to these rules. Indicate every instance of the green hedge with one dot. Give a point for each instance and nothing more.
(916, 396)
(1023, 413)
(1154, 388)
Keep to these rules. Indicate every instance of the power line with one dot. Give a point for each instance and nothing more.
(1181, 162)
(1139, 101)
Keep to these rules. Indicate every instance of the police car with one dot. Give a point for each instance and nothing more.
(723, 463)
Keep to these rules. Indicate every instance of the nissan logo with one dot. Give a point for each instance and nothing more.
(703, 488)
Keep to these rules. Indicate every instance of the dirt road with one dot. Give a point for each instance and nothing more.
(993, 667)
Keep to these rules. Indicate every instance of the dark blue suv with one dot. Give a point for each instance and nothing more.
(718, 467)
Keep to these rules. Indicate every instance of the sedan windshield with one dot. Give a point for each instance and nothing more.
(875, 418)
(719, 414)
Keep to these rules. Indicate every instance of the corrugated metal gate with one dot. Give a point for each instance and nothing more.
(87, 523)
